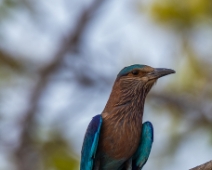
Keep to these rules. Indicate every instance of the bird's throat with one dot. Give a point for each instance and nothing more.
(127, 100)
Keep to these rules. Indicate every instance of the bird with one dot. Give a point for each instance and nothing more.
(117, 139)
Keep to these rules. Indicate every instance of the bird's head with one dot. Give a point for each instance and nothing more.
(141, 75)
(133, 84)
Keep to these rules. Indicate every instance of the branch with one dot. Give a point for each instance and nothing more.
(205, 166)
(25, 152)
(9, 61)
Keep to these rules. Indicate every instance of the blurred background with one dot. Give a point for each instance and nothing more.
(58, 62)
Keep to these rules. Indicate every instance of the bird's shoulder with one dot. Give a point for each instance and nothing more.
(90, 143)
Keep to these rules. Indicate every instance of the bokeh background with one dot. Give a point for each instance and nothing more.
(58, 62)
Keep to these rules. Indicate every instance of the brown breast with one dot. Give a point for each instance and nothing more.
(120, 137)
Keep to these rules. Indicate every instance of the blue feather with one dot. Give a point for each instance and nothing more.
(90, 143)
(145, 146)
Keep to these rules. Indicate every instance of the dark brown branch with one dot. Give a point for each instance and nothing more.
(9, 61)
(24, 152)
(205, 166)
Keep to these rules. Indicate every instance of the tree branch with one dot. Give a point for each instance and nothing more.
(9, 61)
(24, 158)
(205, 166)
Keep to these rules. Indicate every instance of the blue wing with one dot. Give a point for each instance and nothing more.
(90, 143)
(145, 146)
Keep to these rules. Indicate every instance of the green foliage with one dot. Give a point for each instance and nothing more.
(57, 155)
(9, 8)
(195, 78)
(181, 14)
(5, 8)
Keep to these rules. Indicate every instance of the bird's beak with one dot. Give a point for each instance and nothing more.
(159, 72)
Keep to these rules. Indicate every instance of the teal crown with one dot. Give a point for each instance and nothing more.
(128, 69)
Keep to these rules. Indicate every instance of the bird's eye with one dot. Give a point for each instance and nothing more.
(135, 72)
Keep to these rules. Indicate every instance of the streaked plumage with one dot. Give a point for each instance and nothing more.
(116, 139)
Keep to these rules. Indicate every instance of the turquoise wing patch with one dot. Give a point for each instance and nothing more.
(142, 154)
(90, 143)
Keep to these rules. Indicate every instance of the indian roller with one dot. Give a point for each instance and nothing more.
(116, 139)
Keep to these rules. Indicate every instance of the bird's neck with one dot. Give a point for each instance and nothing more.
(126, 103)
